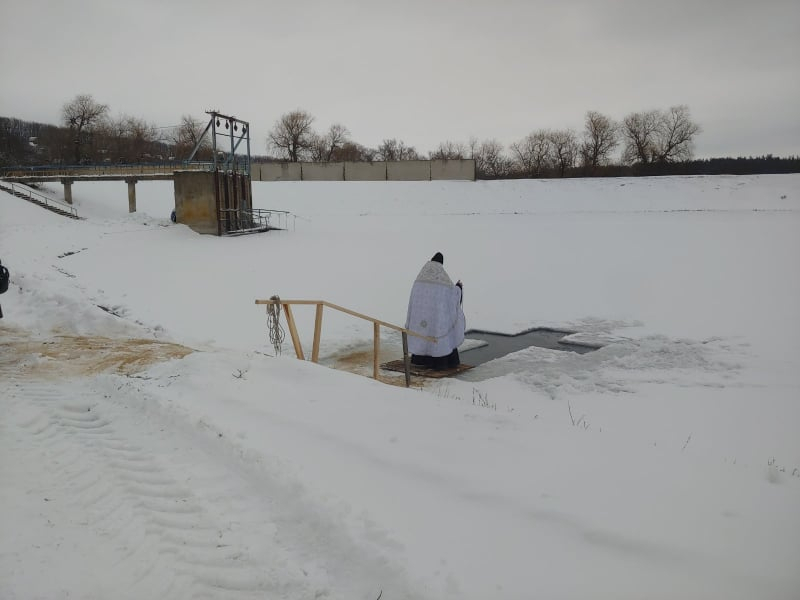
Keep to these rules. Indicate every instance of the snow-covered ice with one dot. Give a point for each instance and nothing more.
(152, 445)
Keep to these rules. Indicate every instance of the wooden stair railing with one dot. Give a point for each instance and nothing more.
(286, 305)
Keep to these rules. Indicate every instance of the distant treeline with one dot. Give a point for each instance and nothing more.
(126, 141)
(131, 140)
(725, 166)
(750, 165)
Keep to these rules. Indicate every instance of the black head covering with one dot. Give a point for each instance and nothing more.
(438, 258)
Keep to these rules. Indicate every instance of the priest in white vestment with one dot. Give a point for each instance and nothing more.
(435, 310)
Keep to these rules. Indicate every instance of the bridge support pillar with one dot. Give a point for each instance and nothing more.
(131, 194)
(67, 190)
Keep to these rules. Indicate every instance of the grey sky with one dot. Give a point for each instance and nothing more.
(423, 71)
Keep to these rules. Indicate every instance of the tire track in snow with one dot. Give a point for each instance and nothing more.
(120, 492)
(156, 493)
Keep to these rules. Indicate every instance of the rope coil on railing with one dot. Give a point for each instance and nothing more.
(276, 332)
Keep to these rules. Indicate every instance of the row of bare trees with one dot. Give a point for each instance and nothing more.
(91, 133)
(293, 138)
(656, 136)
(647, 137)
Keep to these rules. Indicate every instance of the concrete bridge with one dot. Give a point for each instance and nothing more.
(207, 199)
(130, 174)
(50, 171)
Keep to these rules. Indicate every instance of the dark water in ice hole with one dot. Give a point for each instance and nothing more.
(500, 344)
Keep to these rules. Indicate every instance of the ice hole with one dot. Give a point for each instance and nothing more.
(500, 344)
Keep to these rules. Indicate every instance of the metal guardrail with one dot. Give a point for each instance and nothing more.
(22, 191)
(278, 219)
(241, 220)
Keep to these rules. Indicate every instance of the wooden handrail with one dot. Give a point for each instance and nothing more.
(352, 312)
(377, 323)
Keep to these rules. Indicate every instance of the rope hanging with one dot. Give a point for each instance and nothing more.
(276, 333)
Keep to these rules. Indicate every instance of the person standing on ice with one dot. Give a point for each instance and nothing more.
(435, 310)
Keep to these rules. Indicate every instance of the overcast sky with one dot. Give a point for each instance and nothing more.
(423, 71)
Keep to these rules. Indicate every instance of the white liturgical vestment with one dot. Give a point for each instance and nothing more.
(434, 309)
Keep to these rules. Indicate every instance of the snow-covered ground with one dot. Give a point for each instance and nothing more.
(158, 447)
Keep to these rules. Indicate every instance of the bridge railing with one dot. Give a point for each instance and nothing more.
(105, 169)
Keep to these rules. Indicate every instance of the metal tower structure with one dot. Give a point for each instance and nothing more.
(235, 131)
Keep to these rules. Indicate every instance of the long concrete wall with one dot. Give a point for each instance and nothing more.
(322, 171)
(277, 172)
(365, 171)
(408, 170)
(403, 170)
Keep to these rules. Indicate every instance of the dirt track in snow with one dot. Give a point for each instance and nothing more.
(65, 355)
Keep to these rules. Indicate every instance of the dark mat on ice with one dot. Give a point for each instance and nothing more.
(399, 365)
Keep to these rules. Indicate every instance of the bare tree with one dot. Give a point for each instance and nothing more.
(599, 139)
(114, 130)
(338, 135)
(81, 114)
(394, 149)
(142, 137)
(58, 142)
(489, 159)
(187, 136)
(350, 151)
(675, 135)
(323, 147)
(292, 134)
(473, 147)
(532, 155)
(639, 133)
(564, 149)
(449, 151)
(114, 133)
(129, 138)
(659, 136)
(317, 148)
